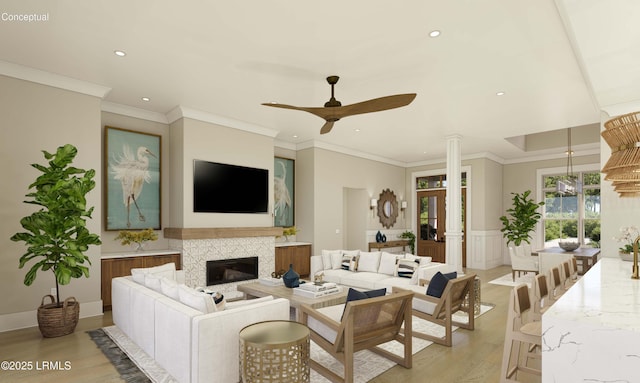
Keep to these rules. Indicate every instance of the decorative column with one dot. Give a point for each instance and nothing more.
(453, 232)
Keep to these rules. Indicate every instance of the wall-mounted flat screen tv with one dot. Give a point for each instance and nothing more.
(224, 188)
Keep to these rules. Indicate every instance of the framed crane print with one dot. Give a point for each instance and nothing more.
(283, 191)
(132, 179)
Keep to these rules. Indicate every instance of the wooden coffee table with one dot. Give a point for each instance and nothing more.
(258, 290)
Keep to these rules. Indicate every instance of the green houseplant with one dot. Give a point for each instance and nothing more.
(408, 235)
(56, 235)
(521, 219)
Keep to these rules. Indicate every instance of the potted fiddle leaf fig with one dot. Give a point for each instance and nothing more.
(56, 235)
(521, 220)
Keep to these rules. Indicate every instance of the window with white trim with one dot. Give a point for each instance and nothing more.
(574, 216)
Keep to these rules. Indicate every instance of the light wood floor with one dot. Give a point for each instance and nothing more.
(476, 355)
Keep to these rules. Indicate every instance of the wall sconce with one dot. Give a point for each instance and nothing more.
(373, 206)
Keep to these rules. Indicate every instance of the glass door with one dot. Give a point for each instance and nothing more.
(431, 224)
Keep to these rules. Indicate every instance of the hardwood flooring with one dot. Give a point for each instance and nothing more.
(476, 356)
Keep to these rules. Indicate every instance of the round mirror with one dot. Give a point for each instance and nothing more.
(387, 208)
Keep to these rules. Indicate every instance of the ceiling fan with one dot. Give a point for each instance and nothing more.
(334, 111)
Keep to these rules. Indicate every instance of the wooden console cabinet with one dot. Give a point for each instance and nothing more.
(120, 264)
(296, 253)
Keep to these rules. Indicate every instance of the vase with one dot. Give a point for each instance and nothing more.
(384, 238)
(626, 256)
(378, 236)
(291, 278)
(138, 246)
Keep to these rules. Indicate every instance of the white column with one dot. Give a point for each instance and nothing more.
(454, 204)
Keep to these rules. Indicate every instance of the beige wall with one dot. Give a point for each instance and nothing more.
(205, 141)
(34, 118)
(144, 126)
(332, 172)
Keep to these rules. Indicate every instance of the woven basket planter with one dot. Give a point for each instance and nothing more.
(58, 321)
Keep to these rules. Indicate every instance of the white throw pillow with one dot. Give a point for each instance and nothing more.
(387, 263)
(152, 281)
(198, 300)
(423, 260)
(336, 260)
(369, 261)
(169, 288)
(328, 256)
(168, 270)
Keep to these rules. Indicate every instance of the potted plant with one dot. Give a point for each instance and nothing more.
(628, 236)
(57, 236)
(408, 235)
(521, 220)
(139, 238)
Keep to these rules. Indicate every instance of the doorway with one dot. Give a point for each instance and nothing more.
(431, 224)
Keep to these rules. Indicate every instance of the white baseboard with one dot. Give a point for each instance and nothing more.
(25, 319)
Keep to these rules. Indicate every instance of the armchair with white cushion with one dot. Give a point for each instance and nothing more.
(521, 262)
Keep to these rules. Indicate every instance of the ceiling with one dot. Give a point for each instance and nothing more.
(226, 58)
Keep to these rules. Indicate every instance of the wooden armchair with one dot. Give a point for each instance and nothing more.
(440, 310)
(365, 324)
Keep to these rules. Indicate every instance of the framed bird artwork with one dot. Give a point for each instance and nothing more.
(132, 179)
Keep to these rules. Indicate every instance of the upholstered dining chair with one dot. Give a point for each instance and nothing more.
(343, 330)
(521, 333)
(440, 310)
(521, 262)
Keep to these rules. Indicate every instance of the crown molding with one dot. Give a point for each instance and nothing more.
(622, 108)
(578, 151)
(131, 111)
(51, 79)
(184, 112)
(285, 145)
(347, 151)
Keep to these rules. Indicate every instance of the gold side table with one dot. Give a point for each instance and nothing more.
(476, 292)
(274, 352)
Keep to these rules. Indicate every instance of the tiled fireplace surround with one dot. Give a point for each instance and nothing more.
(201, 245)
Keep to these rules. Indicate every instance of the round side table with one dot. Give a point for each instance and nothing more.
(274, 352)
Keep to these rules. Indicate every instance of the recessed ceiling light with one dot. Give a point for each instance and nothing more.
(146, 99)
(120, 53)
(500, 93)
(295, 136)
(434, 33)
(357, 130)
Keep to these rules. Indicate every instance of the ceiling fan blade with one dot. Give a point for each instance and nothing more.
(326, 128)
(377, 104)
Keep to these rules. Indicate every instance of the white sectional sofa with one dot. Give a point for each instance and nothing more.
(375, 270)
(191, 345)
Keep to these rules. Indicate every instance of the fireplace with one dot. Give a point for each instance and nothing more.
(231, 270)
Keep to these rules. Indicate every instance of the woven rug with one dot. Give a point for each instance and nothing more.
(506, 280)
(134, 365)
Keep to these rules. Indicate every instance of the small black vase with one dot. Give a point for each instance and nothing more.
(291, 278)
(379, 237)
(384, 238)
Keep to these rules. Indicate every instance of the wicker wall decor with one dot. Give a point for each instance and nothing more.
(622, 134)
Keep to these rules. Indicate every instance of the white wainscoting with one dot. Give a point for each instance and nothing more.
(486, 249)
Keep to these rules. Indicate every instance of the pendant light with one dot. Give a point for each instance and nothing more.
(569, 184)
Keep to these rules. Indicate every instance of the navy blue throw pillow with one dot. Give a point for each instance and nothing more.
(355, 295)
(439, 282)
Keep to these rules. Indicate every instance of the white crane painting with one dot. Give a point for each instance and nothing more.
(129, 172)
(283, 192)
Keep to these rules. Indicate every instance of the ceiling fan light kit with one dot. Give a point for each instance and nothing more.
(333, 109)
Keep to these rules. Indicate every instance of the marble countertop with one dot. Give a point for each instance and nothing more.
(605, 296)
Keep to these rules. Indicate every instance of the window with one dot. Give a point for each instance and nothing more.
(572, 215)
(438, 181)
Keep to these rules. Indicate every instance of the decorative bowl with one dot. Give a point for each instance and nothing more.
(569, 246)
(626, 256)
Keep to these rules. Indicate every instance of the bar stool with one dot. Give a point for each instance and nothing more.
(540, 296)
(521, 332)
(568, 281)
(556, 284)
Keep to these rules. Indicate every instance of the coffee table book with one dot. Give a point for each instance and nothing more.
(316, 294)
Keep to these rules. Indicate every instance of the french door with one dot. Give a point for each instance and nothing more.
(432, 225)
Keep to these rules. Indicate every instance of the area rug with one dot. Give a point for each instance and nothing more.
(506, 280)
(134, 365)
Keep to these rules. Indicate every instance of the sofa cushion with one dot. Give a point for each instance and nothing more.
(407, 267)
(167, 270)
(369, 261)
(322, 329)
(198, 300)
(336, 276)
(439, 283)
(331, 259)
(387, 263)
(423, 261)
(152, 281)
(169, 288)
(362, 280)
